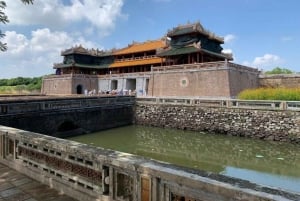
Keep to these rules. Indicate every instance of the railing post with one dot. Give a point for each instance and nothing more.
(1, 146)
(283, 105)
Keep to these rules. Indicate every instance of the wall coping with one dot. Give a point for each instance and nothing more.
(223, 103)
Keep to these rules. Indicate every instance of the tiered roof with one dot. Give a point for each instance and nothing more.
(194, 28)
(193, 38)
(185, 39)
(81, 50)
(136, 47)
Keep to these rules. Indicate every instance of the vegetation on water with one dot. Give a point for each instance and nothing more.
(20, 85)
(285, 94)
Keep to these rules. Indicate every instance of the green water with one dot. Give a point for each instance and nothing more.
(268, 163)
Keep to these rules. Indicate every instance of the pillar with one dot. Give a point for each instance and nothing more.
(1, 146)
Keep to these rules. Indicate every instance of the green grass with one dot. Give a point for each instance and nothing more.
(19, 89)
(287, 94)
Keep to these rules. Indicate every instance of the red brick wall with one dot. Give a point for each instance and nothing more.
(274, 81)
(208, 82)
(66, 84)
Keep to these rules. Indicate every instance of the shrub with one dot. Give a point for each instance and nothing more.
(20, 85)
(288, 94)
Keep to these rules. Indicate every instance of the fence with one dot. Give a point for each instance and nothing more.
(225, 103)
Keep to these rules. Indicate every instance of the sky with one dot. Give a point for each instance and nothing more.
(259, 33)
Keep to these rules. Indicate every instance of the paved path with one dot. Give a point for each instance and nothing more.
(15, 186)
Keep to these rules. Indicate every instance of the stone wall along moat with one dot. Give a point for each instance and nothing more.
(276, 125)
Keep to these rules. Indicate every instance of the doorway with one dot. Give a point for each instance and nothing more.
(131, 84)
(114, 85)
(79, 89)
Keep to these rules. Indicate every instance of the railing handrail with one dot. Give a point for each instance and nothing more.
(93, 171)
(136, 74)
(137, 58)
(227, 103)
(43, 105)
(71, 75)
(195, 66)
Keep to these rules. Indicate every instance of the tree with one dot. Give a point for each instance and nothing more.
(4, 20)
(279, 70)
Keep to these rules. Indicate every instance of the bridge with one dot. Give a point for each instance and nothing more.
(85, 172)
(65, 116)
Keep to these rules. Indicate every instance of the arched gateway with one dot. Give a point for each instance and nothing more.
(79, 89)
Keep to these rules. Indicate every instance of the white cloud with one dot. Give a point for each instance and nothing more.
(286, 38)
(227, 51)
(229, 38)
(35, 55)
(101, 14)
(266, 61)
(163, 0)
(17, 42)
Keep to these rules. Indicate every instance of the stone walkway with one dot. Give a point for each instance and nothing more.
(15, 186)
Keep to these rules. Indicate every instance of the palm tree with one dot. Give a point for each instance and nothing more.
(4, 20)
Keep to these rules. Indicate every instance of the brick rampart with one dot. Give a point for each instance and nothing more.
(215, 79)
(274, 81)
(69, 84)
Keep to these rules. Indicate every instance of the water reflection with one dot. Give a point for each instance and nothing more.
(254, 160)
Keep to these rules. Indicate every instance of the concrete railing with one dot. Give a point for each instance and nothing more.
(226, 103)
(90, 173)
(125, 75)
(136, 58)
(196, 66)
(73, 75)
(64, 103)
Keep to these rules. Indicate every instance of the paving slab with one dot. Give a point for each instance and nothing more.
(15, 186)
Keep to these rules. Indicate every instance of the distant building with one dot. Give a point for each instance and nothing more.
(188, 61)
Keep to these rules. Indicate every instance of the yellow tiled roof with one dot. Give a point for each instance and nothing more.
(127, 63)
(141, 47)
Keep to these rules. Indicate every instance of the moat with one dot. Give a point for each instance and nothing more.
(268, 163)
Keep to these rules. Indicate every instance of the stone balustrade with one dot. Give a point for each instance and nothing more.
(46, 103)
(224, 103)
(66, 116)
(90, 173)
(219, 64)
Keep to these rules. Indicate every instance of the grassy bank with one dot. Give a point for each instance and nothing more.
(20, 89)
(287, 94)
(20, 85)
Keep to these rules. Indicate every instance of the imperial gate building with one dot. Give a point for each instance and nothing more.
(188, 61)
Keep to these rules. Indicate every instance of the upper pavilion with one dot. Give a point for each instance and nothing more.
(137, 57)
(184, 44)
(191, 43)
(78, 60)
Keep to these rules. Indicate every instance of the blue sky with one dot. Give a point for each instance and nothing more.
(260, 33)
